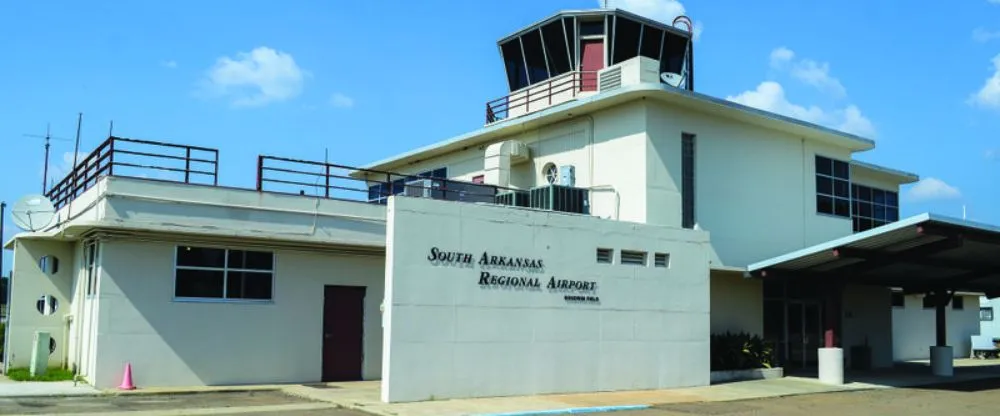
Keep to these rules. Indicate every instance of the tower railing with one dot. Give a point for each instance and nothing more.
(556, 90)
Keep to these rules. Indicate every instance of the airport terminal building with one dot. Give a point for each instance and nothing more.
(605, 221)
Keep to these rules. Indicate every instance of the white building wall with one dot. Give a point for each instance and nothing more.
(913, 328)
(755, 188)
(175, 343)
(737, 304)
(447, 336)
(867, 320)
(990, 328)
(28, 284)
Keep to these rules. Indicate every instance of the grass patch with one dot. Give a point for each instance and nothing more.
(53, 374)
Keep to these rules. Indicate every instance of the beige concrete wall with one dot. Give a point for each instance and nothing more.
(177, 343)
(914, 330)
(755, 188)
(28, 284)
(737, 303)
(448, 335)
(867, 318)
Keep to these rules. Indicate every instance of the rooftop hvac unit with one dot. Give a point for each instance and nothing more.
(469, 192)
(424, 188)
(561, 198)
(513, 198)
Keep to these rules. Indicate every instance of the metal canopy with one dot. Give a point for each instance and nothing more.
(919, 254)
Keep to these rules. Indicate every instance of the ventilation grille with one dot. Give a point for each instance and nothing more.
(561, 198)
(610, 79)
(637, 258)
(604, 255)
(513, 198)
(661, 260)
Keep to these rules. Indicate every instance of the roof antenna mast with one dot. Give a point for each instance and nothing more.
(48, 137)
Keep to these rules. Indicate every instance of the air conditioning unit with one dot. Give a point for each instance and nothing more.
(469, 192)
(513, 198)
(519, 152)
(561, 198)
(424, 188)
(567, 175)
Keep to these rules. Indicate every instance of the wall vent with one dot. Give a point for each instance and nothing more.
(604, 255)
(637, 258)
(661, 260)
(610, 79)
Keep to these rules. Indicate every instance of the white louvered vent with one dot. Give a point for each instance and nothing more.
(610, 79)
(604, 255)
(661, 260)
(637, 258)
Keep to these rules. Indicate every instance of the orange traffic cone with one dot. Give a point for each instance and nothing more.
(127, 378)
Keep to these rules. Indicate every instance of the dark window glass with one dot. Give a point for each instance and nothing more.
(201, 257)
(556, 48)
(255, 260)
(864, 193)
(958, 302)
(841, 169)
(898, 300)
(687, 180)
(928, 302)
(824, 204)
(248, 285)
(374, 192)
(824, 166)
(864, 210)
(591, 28)
(517, 75)
(842, 207)
(892, 214)
(879, 212)
(878, 196)
(840, 189)
(824, 185)
(534, 56)
(570, 25)
(199, 283)
(891, 199)
(398, 186)
(626, 42)
(986, 314)
(674, 52)
(651, 40)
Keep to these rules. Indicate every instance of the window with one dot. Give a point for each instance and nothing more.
(833, 187)
(687, 180)
(604, 255)
(986, 314)
(379, 192)
(898, 300)
(49, 265)
(637, 258)
(90, 267)
(216, 273)
(480, 179)
(873, 207)
(661, 260)
(958, 303)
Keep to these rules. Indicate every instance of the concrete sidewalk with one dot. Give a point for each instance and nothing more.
(45, 389)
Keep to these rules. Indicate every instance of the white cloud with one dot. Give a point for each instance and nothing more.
(169, 64)
(770, 96)
(781, 56)
(982, 35)
(989, 95)
(339, 100)
(255, 78)
(929, 189)
(660, 10)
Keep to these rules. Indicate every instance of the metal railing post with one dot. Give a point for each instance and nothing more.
(260, 173)
(215, 171)
(187, 165)
(327, 188)
(111, 157)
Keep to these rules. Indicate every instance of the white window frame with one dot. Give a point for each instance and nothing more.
(225, 275)
(91, 271)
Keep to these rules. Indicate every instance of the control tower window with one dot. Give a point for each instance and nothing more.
(538, 70)
(592, 28)
(626, 42)
(652, 38)
(556, 47)
(517, 75)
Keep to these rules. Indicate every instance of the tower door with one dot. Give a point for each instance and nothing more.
(591, 61)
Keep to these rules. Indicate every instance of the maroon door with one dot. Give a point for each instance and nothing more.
(343, 332)
(591, 61)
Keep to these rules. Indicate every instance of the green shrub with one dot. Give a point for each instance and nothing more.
(740, 351)
(52, 374)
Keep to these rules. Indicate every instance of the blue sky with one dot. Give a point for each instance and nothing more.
(367, 80)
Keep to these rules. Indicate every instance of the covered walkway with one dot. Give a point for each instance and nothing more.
(927, 254)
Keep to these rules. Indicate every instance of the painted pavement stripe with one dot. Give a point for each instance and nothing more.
(574, 410)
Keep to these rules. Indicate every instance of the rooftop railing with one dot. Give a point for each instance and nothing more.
(556, 90)
(119, 156)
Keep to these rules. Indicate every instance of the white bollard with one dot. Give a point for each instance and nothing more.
(942, 361)
(831, 365)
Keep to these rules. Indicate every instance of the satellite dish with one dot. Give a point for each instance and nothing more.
(672, 78)
(33, 212)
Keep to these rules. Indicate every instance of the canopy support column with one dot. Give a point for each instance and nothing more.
(942, 355)
(831, 357)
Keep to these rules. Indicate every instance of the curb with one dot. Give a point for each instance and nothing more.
(573, 410)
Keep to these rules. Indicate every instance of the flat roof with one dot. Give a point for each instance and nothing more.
(902, 176)
(918, 254)
(662, 92)
(596, 12)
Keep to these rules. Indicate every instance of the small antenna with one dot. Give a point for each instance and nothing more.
(48, 137)
(111, 128)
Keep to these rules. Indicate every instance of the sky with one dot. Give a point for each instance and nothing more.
(362, 81)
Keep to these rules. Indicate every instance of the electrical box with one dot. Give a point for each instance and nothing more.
(567, 175)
